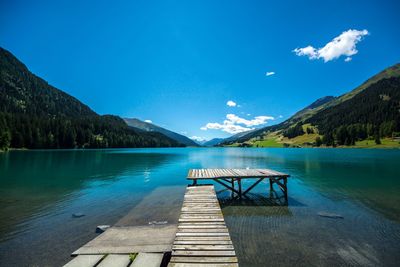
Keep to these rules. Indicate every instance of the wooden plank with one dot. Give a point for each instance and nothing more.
(177, 264)
(188, 209)
(148, 260)
(200, 216)
(202, 238)
(202, 230)
(204, 259)
(178, 234)
(200, 220)
(206, 253)
(202, 223)
(201, 226)
(202, 247)
(233, 173)
(204, 242)
(115, 260)
(84, 261)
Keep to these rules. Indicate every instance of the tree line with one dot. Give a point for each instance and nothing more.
(33, 132)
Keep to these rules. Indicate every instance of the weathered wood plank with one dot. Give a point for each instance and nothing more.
(203, 264)
(115, 260)
(204, 259)
(203, 238)
(233, 173)
(201, 234)
(202, 247)
(203, 223)
(206, 253)
(207, 226)
(148, 260)
(84, 261)
(203, 230)
(200, 220)
(202, 242)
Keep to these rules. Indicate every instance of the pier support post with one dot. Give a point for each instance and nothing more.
(240, 187)
(271, 188)
(233, 186)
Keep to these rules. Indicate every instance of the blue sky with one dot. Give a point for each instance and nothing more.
(178, 63)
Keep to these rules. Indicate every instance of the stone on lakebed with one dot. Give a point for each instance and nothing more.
(330, 215)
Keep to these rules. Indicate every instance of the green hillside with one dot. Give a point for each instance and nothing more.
(34, 114)
(367, 116)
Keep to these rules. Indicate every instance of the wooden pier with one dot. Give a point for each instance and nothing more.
(228, 177)
(202, 238)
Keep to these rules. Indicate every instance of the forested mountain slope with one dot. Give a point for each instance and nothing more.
(34, 114)
(150, 127)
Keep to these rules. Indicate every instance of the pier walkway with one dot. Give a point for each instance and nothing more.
(202, 238)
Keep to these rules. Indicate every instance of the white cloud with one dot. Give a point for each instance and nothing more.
(269, 73)
(342, 45)
(148, 121)
(231, 103)
(235, 124)
(197, 138)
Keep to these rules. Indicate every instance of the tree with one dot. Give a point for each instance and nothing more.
(377, 139)
(5, 138)
(318, 141)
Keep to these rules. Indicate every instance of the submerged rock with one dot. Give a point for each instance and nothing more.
(330, 215)
(102, 228)
(78, 215)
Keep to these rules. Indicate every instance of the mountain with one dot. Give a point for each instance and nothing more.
(34, 114)
(368, 112)
(150, 127)
(213, 142)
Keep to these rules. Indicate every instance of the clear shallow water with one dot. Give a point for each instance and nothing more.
(39, 191)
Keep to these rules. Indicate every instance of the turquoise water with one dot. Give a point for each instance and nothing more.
(40, 190)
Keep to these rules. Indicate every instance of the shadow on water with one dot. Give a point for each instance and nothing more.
(255, 204)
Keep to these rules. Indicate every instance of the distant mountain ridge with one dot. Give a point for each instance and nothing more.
(371, 110)
(213, 142)
(34, 114)
(150, 127)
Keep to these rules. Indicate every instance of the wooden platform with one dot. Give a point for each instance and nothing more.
(117, 260)
(114, 247)
(228, 177)
(202, 238)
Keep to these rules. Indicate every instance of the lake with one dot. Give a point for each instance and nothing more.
(40, 190)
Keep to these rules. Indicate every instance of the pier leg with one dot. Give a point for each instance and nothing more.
(240, 187)
(286, 191)
(233, 186)
(271, 188)
(194, 182)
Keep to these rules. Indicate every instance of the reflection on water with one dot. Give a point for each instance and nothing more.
(39, 190)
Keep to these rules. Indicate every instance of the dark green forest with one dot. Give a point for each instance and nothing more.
(34, 114)
(373, 113)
